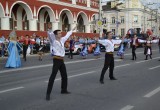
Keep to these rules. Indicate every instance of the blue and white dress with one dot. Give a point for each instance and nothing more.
(84, 51)
(14, 49)
(122, 47)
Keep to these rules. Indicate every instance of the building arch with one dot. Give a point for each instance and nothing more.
(26, 8)
(66, 19)
(84, 16)
(68, 13)
(2, 14)
(82, 21)
(50, 12)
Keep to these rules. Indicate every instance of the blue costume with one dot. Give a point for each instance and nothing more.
(84, 51)
(122, 47)
(14, 49)
(121, 50)
(97, 51)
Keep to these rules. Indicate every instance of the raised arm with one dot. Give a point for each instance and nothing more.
(141, 41)
(51, 37)
(63, 39)
(117, 41)
(155, 41)
(103, 42)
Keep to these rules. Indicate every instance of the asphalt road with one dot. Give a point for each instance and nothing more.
(137, 87)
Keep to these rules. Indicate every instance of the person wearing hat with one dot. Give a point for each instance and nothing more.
(14, 49)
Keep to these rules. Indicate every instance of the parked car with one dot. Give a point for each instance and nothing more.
(77, 47)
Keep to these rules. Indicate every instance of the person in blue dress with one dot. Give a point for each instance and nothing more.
(122, 48)
(84, 51)
(14, 49)
(97, 52)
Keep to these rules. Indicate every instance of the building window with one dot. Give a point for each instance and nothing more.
(135, 19)
(122, 19)
(11, 23)
(122, 32)
(113, 31)
(113, 20)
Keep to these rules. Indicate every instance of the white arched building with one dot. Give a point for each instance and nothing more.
(33, 17)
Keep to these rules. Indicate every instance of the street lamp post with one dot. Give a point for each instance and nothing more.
(100, 17)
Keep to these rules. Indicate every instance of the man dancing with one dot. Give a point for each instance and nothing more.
(58, 52)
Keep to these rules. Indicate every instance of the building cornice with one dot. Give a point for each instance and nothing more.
(131, 10)
(70, 5)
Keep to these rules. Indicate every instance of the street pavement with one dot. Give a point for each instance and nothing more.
(137, 87)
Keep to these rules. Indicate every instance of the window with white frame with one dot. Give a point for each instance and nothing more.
(113, 31)
(135, 19)
(122, 32)
(122, 19)
(113, 20)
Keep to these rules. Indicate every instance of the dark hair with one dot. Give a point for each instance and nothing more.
(108, 32)
(56, 32)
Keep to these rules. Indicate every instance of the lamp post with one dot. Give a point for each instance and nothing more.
(100, 17)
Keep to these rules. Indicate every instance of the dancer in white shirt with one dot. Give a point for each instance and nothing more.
(109, 58)
(58, 52)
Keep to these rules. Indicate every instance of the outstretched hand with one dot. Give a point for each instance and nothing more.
(74, 28)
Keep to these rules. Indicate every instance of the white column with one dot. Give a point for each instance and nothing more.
(88, 3)
(87, 28)
(127, 22)
(55, 26)
(33, 24)
(73, 1)
(5, 23)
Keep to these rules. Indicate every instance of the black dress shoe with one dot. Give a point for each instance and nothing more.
(113, 78)
(65, 92)
(47, 97)
(102, 82)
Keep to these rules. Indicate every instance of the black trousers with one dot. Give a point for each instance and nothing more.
(109, 62)
(133, 52)
(25, 47)
(58, 64)
(70, 55)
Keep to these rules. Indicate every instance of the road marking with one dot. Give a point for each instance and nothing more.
(122, 65)
(41, 66)
(154, 67)
(128, 107)
(8, 90)
(147, 60)
(152, 93)
(72, 76)
(49, 65)
(88, 73)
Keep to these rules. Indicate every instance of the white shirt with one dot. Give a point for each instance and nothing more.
(109, 44)
(57, 47)
(148, 41)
